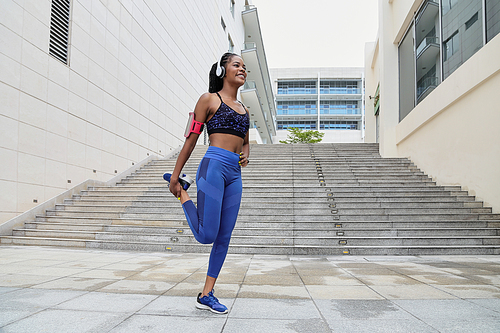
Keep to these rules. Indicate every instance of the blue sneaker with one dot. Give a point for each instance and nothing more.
(184, 180)
(211, 303)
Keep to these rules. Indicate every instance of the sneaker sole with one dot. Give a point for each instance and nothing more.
(206, 307)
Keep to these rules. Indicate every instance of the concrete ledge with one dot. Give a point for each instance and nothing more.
(18, 221)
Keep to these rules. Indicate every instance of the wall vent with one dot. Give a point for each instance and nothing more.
(59, 30)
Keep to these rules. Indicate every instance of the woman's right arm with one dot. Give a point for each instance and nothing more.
(200, 114)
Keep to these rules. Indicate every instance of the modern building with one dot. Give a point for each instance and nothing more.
(330, 100)
(434, 75)
(91, 88)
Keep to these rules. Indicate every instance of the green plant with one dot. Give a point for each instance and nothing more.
(296, 135)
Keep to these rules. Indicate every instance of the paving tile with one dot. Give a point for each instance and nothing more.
(489, 303)
(23, 280)
(332, 280)
(180, 306)
(448, 310)
(107, 302)
(485, 279)
(127, 266)
(4, 290)
(462, 326)
(311, 270)
(381, 326)
(342, 292)
(8, 316)
(36, 298)
(276, 267)
(273, 292)
(81, 264)
(14, 268)
(387, 280)
(273, 279)
(149, 275)
(42, 262)
(192, 289)
(177, 269)
(56, 271)
(419, 291)
(75, 283)
(235, 325)
(66, 321)
(162, 324)
(105, 274)
(464, 271)
(274, 309)
(471, 291)
(21, 303)
(137, 287)
(4, 260)
(370, 271)
(361, 310)
(443, 279)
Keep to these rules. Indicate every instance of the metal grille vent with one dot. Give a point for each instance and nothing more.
(59, 30)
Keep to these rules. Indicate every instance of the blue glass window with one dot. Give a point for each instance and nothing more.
(297, 87)
(296, 107)
(339, 87)
(338, 125)
(339, 107)
(303, 125)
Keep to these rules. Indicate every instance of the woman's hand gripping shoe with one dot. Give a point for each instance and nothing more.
(184, 180)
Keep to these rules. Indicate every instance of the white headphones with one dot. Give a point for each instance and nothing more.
(220, 71)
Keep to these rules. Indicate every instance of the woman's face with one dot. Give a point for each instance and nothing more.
(236, 70)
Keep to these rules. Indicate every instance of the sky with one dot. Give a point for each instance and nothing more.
(317, 33)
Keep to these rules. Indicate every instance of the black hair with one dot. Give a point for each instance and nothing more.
(215, 83)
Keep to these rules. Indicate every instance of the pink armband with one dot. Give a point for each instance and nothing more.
(193, 126)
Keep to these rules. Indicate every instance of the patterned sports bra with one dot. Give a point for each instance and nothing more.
(226, 120)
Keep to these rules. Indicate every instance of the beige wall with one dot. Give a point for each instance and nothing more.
(453, 134)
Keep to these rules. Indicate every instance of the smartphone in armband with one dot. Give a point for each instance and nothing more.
(193, 126)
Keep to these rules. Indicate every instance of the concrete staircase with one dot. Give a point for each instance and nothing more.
(323, 199)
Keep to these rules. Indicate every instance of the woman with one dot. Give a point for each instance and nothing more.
(218, 178)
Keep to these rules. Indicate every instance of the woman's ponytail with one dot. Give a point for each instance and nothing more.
(215, 82)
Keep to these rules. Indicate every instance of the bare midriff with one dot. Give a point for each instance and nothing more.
(227, 141)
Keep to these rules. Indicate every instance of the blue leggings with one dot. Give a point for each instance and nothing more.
(219, 196)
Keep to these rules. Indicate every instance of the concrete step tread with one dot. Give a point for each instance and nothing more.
(62, 232)
(368, 229)
(269, 246)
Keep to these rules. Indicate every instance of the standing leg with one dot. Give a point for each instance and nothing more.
(230, 208)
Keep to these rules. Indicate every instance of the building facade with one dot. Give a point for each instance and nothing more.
(330, 100)
(434, 72)
(90, 88)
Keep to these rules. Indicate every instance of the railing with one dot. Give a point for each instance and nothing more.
(335, 111)
(340, 91)
(426, 84)
(249, 46)
(249, 85)
(297, 91)
(425, 42)
(293, 112)
(249, 7)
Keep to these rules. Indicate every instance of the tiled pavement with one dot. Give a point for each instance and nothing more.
(66, 290)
